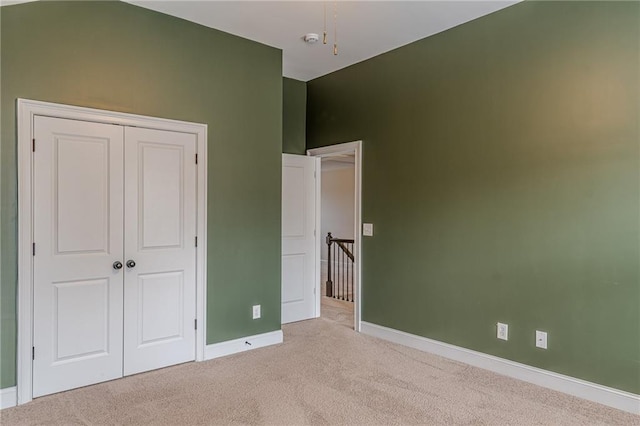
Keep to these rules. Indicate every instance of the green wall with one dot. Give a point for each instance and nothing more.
(294, 116)
(501, 171)
(120, 57)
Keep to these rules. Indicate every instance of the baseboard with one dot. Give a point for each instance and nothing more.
(243, 344)
(8, 397)
(611, 397)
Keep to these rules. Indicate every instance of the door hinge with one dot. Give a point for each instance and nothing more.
(33, 249)
(33, 145)
(195, 324)
(196, 241)
(33, 352)
(196, 158)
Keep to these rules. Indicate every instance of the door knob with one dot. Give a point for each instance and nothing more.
(130, 263)
(117, 265)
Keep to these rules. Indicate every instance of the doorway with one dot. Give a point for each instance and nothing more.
(340, 215)
(112, 238)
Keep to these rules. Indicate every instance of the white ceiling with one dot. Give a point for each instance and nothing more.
(365, 28)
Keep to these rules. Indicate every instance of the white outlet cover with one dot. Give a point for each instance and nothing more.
(367, 229)
(541, 339)
(503, 331)
(256, 311)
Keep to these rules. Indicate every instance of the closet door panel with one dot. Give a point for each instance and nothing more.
(78, 223)
(160, 230)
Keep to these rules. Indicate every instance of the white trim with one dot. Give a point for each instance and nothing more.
(335, 150)
(27, 111)
(318, 236)
(201, 250)
(611, 397)
(8, 397)
(243, 344)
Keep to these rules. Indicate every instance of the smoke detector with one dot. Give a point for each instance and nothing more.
(311, 38)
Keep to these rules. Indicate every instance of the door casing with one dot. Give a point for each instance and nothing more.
(27, 110)
(355, 148)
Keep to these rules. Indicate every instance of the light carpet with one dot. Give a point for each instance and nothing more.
(324, 373)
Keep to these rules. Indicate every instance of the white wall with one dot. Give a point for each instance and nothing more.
(338, 189)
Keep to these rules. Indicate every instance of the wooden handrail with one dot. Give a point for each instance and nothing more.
(345, 249)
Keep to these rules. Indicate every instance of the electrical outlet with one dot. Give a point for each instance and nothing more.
(541, 339)
(503, 331)
(256, 311)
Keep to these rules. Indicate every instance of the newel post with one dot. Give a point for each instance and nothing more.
(329, 283)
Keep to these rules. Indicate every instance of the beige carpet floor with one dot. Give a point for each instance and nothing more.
(325, 374)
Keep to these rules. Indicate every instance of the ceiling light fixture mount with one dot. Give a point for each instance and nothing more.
(312, 38)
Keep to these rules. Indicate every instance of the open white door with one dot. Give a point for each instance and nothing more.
(299, 274)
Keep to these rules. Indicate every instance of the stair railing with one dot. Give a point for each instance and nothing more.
(339, 283)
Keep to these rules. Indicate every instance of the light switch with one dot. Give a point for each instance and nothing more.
(367, 229)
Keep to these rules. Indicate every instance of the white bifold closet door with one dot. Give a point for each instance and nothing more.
(114, 253)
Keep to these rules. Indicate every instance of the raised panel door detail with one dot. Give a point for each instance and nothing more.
(160, 307)
(105, 193)
(81, 192)
(298, 240)
(81, 319)
(161, 195)
(78, 205)
(293, 202)
(293, 278)
(160, 230)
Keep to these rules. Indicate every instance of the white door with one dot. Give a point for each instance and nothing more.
(105, 195)
(160, 230)
(299, 274)
(78, 204)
